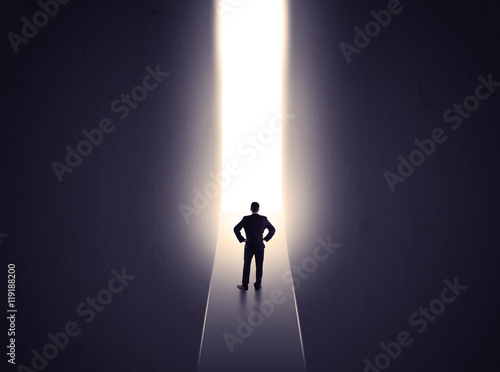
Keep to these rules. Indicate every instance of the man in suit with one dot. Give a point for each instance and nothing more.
(254, 226)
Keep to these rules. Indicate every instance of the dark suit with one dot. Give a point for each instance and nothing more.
(254, 226)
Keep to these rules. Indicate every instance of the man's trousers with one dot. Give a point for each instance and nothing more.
(247, 260)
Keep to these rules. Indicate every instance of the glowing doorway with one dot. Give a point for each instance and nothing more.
(251, 47)
(251, 330)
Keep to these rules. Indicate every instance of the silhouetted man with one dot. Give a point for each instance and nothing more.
(254, 226)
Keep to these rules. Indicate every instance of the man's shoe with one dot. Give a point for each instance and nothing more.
(242, 287)
(257, 287)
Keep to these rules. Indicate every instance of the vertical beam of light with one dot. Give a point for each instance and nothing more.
(251, 44)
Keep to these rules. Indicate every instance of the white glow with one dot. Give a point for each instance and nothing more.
(251, 44)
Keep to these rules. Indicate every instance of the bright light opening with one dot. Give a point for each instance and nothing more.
(251, 44)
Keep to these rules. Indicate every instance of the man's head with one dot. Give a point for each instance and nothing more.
(254, 207)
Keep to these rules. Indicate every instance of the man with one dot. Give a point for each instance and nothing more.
(254, 226)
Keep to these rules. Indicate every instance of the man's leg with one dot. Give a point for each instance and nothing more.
(259, 260)
(247, 260)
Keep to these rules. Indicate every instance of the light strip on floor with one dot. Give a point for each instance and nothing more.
(251, 41)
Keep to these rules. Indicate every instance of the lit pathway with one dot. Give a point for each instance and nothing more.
(250, 330)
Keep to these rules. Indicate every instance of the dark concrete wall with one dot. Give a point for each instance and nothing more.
(120, 207)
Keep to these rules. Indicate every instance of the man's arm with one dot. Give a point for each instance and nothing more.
(271, 231)
(237, 230)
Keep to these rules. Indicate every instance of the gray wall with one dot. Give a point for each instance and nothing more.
(119, 208)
